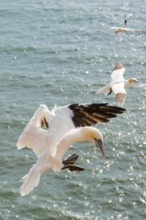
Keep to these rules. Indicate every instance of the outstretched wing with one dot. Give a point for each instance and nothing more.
(105, 89)
(41, 119)
(90, 114)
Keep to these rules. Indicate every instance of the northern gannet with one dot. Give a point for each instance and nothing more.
(59, 122)
(124, 29)
(45, 161)
(118, 84)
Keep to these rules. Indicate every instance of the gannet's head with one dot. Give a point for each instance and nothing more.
(118, 66)
(131, 81)
(94, 135)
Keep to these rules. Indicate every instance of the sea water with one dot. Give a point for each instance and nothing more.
(57, 53)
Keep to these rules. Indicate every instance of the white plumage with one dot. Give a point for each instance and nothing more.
(118, 84)
(46, 161)
(77, 135)
(124, 29)
(50, 144)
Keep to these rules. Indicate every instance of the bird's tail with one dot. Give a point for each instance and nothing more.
(30, 181)
(120, 98)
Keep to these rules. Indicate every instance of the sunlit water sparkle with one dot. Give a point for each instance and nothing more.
(60, 52)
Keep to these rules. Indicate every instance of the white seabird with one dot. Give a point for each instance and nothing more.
(118, 84)
(45, 161)
(124, 29)
(59, 122)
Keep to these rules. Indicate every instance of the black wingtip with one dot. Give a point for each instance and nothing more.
(68, 164)
(110, 91)
(90, 114)
(71, 160)
(44, 123)
(73, 168)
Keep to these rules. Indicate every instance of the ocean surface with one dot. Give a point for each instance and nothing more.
(60, 52)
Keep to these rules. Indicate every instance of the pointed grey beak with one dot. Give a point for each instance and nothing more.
(100, 145)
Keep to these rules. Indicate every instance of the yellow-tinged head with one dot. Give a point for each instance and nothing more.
(131, 81)
(94, 135)
(118, 66)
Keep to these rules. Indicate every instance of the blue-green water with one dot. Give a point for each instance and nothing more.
(61, 52)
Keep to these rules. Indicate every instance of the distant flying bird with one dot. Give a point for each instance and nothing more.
(124, 29)
(58, 122)
(45, 161)
(118, 84)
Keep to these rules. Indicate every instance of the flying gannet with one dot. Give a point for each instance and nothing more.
(118, 84)
(59, 122)
(31, 180)
(124, 29)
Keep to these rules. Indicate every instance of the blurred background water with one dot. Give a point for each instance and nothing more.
(60, 52)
